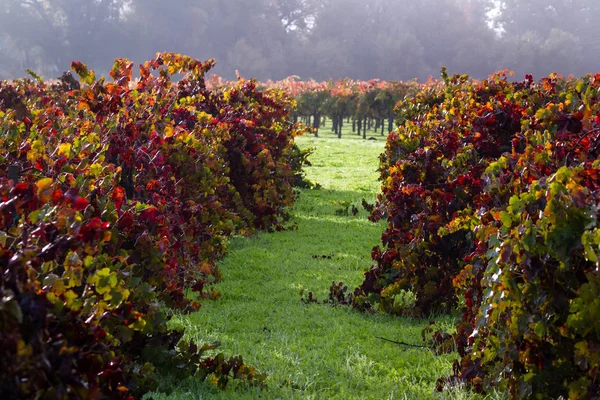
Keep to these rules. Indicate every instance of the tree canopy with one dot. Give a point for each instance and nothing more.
(320, 39)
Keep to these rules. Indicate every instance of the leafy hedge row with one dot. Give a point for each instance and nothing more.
(491, 195)
(117, 198)
(369, 104)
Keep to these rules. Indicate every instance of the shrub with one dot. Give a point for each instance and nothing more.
(491, 194)
(116, 199)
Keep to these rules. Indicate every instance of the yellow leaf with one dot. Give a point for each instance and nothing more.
(64, 149)
(37, 147)
(24, 350)
(168, 131)
(43, 184)
(106, 236)
(70, 296)
(138, 325)
(587, 113)
(95, 169)
(58, 287)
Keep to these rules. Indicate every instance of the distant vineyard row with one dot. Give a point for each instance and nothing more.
(491, 192)
(116, 201)
(367, 105)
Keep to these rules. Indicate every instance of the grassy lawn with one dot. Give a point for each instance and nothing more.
(314, 351)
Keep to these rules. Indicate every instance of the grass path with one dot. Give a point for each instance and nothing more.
(313, 351)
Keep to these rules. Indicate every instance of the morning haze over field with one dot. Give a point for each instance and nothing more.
(320, 39)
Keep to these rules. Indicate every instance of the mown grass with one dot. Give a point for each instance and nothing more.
(314, 351)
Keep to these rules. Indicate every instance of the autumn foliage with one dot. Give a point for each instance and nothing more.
(117, 199)
(491, 196)
(368, 104)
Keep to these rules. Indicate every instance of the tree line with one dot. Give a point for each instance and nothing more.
(319, 39)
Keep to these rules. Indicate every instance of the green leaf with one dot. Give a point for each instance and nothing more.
(139, 207)
(539, 329)
(86, 75)
(34, 75)
(88, 261)
(113, 280)
(124, 334)
(13, 308)
(590, 254)
(563, 175)
(506, 219)
(34, 216)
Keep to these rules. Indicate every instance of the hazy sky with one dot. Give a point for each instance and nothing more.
(321, 39)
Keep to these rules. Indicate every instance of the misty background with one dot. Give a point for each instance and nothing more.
(320, 39)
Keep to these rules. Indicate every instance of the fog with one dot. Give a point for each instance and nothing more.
(320, 39)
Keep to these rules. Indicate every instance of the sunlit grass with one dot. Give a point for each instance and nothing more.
(314, 351)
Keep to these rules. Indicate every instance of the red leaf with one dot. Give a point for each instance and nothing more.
(21, 189)
(80, 204)
(91, 231)
(149, 215)
(57, 196)
(125, 221)
(198, 287)
(118, 196)
(94, 223)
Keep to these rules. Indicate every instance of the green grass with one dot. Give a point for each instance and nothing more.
(314, 351)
